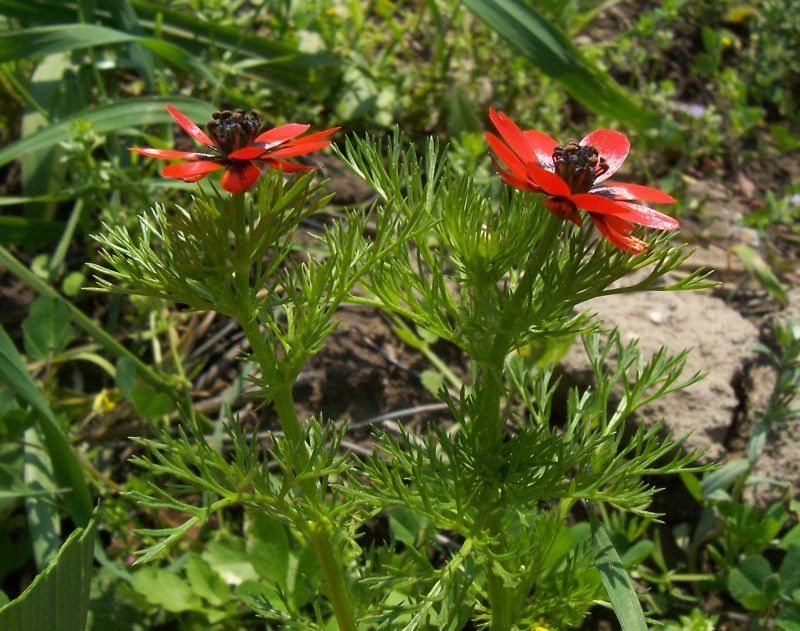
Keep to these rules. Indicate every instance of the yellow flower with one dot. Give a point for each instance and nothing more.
(104, 402)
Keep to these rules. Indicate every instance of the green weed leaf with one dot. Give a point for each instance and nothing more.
(268, 546)
(747, 583)
(47, 328)
(150, 403)
(206, 582)
(758, 268)
(165, 589)
(790, 570)
(231, 561)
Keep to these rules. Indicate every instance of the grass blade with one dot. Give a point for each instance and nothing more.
(108, 118)
(285, 64)
(44, 519)
(66, 468)
(615, 579)
(556, 56)
(31, 232)
(58, 598)
(59, 38)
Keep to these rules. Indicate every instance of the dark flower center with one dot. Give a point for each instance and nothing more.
(578, 166)
(232, 130)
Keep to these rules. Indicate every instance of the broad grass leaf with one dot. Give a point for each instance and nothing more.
(47, 40)
(44, 520)
(28, 232)
(63, 587)
(637, 553)
(66, 468)
(178, 58)
(305, 577)
(722, 478)
(281, 62)
(125, 378)
(114, 117)
(553, 53)
(617, 582)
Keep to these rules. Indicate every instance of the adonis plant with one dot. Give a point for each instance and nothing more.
(499, 504)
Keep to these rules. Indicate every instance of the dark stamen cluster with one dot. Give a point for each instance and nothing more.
(578, 166)
(232, 130)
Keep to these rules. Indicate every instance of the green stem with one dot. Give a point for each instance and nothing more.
(63, 244)
(489, 424)
(335, 582)
(489, 428)
(500, 597)
(318, 532)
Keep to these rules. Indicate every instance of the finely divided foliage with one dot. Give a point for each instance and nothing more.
(493, 276)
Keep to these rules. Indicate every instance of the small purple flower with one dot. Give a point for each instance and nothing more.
(695, 110)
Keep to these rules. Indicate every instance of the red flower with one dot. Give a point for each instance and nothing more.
(238, 147)
(573, 177)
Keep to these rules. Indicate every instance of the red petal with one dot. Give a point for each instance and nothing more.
(542, 146)
(612, 145)
(512, 180)
(189, 127)
(645, 216)
(288, 167)
(291, 150)
(282, 133)
(317, 135)
(250, 153)
(240, 177)
(247, 153)
(190, 171)
(512, 135)
(549, 182)
(618, 234)
(564, 209)
(626, 190)
(508, 157)
(169, 154)
(599, 204)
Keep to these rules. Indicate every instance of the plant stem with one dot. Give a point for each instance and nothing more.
(499, 601)
(318, 532)
(332, 573)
